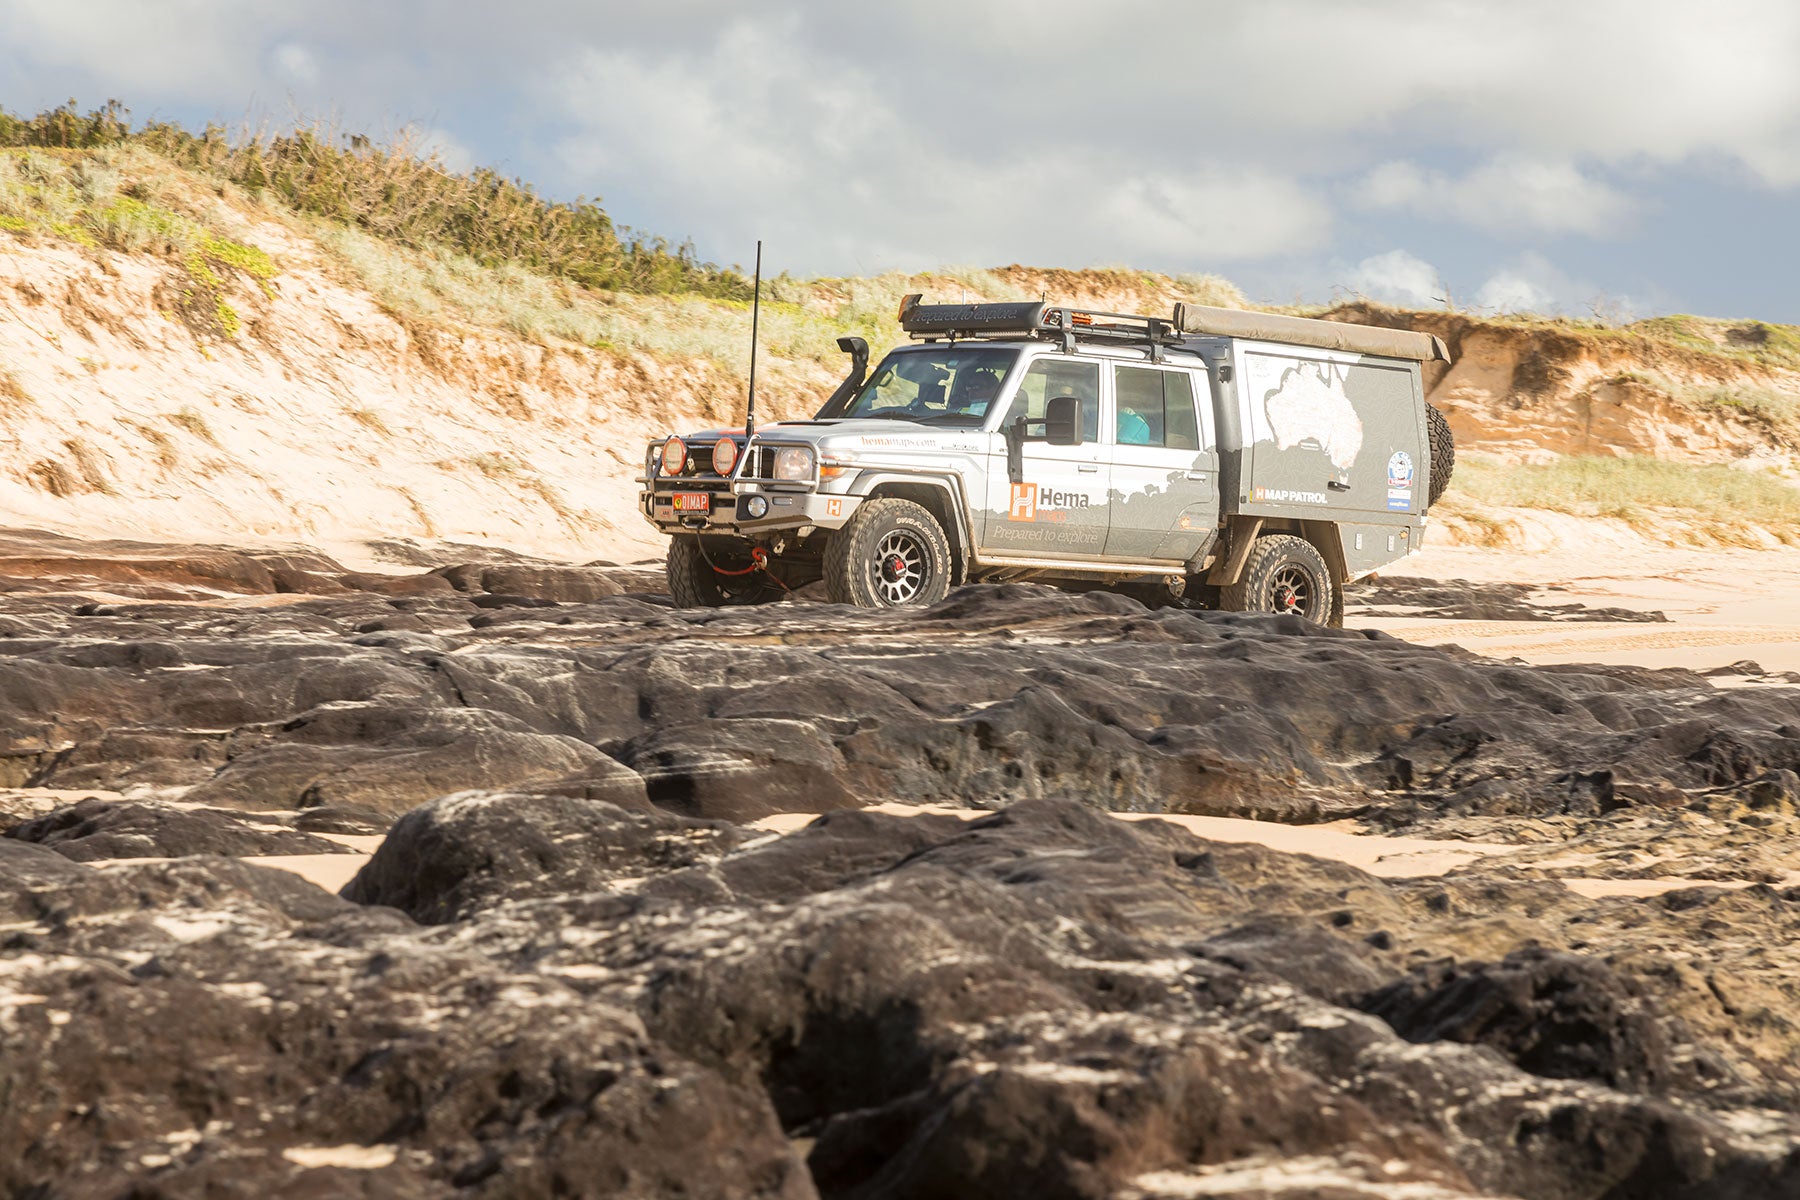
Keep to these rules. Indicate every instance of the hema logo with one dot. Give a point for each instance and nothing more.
(1027, 500)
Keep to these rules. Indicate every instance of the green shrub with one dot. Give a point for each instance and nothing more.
(399, 193)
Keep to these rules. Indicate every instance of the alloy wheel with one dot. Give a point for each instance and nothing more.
(901, 567)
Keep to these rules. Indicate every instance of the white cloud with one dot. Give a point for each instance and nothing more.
(186, 48)
(1171, 135)
(1398, 278)
(296, 63)
(1514, 291)
(1509, 193)
(754, 136)
(1534, 284)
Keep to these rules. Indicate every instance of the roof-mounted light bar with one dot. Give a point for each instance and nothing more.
(1025, 320)
(968, 320)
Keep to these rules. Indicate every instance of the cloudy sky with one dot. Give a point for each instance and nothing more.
(1626, 157)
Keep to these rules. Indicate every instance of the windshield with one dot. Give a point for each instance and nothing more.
(939, 385)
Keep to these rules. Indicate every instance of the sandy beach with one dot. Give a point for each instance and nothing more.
(1725, 605)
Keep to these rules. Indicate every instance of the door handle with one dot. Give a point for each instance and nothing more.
(1086, 468)
(1337, 486)
(1200, 475)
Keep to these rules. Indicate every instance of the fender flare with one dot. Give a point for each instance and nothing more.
(961, 527)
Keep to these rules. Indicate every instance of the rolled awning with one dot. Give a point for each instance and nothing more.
(1304, 331)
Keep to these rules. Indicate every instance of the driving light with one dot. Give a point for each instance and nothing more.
(755, 506)
(794, 463)
(674, 456)
(724, 455)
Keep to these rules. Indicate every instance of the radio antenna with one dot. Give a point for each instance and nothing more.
(755, 312)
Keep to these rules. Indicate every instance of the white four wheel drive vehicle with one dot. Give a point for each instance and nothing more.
(1218, 458)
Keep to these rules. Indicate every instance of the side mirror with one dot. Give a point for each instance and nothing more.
(1062, 421)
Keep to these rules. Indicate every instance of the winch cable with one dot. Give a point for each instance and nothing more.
(759, 561)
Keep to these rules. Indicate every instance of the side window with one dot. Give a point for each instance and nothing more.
(1050, 377)
(1183, 428)
(1155, 408)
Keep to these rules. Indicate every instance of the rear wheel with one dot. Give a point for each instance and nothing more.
(891, 553)
(698, 575)
(1284, 574)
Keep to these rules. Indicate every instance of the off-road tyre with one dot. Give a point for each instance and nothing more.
(695, 584)
(1443, 453)
(1284, 574)
(891, 553)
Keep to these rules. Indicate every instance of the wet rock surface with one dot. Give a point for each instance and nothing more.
(96, 829)
(1044, 1001)
(575, 967)
(284, 702)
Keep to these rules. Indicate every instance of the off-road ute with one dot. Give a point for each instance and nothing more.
(1216, 458)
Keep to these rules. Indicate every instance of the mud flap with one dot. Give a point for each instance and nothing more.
(1240, 537)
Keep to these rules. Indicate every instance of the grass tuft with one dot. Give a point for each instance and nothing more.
(13, 396)
(369, 419)
(80, 202)
(1701, 503)
(191, 420)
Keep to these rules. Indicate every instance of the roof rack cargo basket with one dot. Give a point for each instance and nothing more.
(1042, 320)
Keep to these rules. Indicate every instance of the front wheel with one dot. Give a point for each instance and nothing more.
(1285, 575)
(891, 553)
(699, 577)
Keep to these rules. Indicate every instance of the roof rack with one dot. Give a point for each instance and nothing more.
(1067, 325)
(1032, 320)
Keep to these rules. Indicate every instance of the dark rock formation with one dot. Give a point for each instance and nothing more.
(1559, 1015)
(451, 857)
(999, 694)
(99, 829)
(1040, 1002)
(544, 583)
(220, 1030)
(567, 971)
(1462, 600)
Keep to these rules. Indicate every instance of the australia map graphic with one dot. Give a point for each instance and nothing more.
(1309, 408)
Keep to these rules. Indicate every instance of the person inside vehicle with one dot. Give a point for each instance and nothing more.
(974, 391)
(1133, 430)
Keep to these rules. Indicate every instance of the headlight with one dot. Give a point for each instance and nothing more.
(724, 455)
(755, 507)
(794, 462)
(674, 456)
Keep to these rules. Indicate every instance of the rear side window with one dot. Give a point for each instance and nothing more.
(1048, 378)
(1155, 408)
